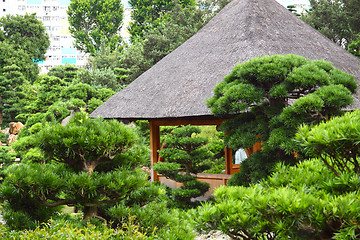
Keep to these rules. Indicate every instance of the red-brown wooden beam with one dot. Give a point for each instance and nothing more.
(228, 160)
(155, 138)
(154, 146)
(187, 121)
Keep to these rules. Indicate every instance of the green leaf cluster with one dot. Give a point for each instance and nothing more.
(306, 201)
(169, 223)
(93, 23)
(26, 33)
(101, 78)
(23, 42)
(354, 46)
(87, 163)
(11, 88)
(184, 150)
(149, 12)
(62, 90)
(336, 142)
(269, 97)
(154, 39)
(337, 20)
(59, 229)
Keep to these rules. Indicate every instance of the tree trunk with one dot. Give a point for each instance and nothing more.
(89, 212)
(89, 166)
(187, 169)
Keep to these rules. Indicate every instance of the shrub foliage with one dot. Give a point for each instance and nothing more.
(271, 97)
(306, 201)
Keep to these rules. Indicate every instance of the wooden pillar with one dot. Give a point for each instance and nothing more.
(154, 146)
(228, 160)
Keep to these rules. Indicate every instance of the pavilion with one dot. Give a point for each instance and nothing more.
(174, 91)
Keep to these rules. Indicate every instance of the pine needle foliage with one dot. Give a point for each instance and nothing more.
(336, 142)
(306, 201)
(183, 154)
(87, 163)
(270, 97)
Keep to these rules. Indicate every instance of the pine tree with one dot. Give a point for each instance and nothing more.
(183, 153)
(10, 92)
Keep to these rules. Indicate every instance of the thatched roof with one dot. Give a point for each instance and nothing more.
(179, 84)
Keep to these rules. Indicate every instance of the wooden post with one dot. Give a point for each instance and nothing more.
(154, 146)
(228, 160)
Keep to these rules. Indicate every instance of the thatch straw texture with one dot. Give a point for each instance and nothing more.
(180, 83)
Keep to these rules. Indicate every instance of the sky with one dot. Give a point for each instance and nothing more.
(283, 2)
(289, 2)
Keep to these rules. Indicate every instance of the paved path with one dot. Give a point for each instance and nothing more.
(213, 235)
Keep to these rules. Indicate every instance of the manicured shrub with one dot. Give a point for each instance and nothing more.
(336, 142)
(270, 97)
(64, 230)
(306, 201)
(184, 151)
(88, 163)
(156, 218)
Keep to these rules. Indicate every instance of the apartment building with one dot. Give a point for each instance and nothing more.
(54, 17)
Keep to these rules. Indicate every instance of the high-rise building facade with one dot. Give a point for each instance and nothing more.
(54, 17)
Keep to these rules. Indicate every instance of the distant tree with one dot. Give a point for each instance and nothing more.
(164, 36)
(51, 98)
(9, 55)
(158, 39)
(65, 72)
(93, 23)
(292, 8)
(49, 91)
(338, 20)
(104, 58)
(11, 92)
(150, 12)
(184, 151)
(99, 78)
(26, 33)
(354, 46)
(271, 96)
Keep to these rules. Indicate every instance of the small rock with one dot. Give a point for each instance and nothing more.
(15, 128)
(12, 138)
(213, 235)
(6, 131)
